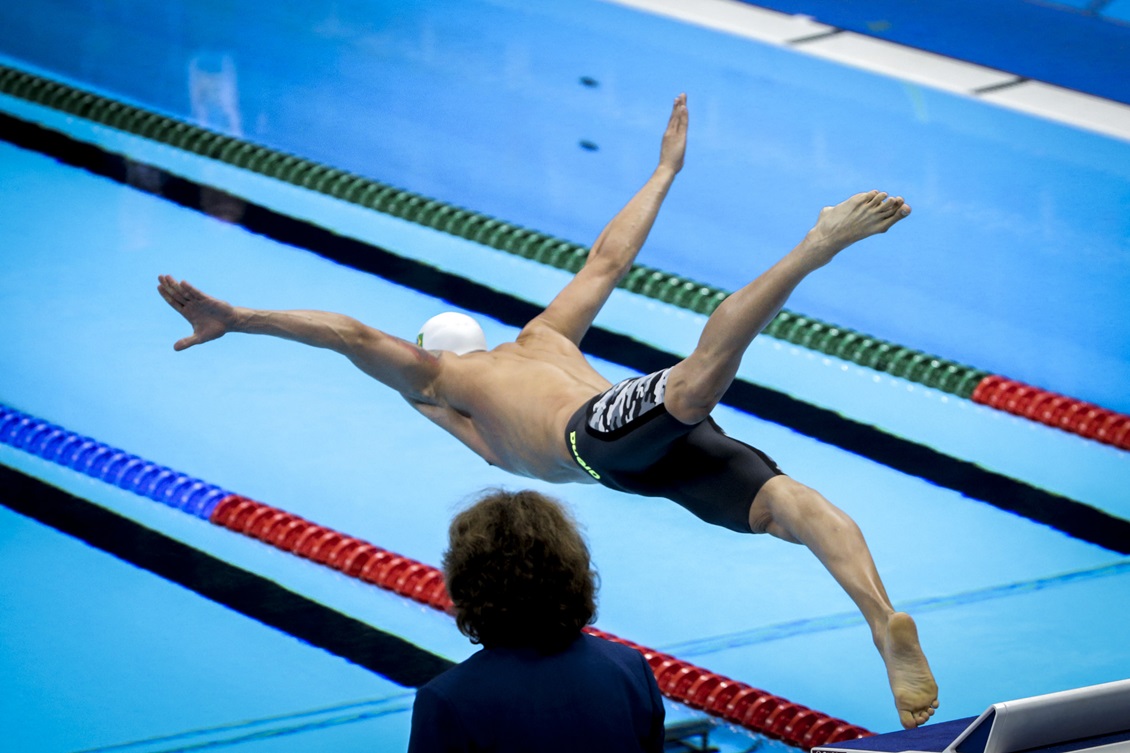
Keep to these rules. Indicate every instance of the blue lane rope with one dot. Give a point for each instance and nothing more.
(116, 467)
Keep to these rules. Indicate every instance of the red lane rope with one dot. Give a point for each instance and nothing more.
(734, 701)
(347, 554)
(742, 704)
(1050, 408)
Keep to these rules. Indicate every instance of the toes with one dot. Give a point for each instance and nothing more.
(889, 207)
(896, 213)
(862, 199)
(911, 719)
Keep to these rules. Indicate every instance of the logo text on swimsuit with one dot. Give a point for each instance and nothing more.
(577, 455)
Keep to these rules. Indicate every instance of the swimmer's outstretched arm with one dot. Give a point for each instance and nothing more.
(615, 249)
(399, 364)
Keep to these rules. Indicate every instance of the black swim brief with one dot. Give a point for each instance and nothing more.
(626, 440)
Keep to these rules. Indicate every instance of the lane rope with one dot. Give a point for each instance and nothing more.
(733, 701)
(999, 392)
(1073, 517)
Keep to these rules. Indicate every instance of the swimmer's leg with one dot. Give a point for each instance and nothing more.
(697, 384)
(795, 513)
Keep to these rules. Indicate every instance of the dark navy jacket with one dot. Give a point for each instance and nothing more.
(594, 696)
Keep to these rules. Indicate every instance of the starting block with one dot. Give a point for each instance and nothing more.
(1095, 719)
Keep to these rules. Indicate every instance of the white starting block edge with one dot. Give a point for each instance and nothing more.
(1025, 724)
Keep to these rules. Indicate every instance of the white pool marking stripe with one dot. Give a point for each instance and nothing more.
(805, 35)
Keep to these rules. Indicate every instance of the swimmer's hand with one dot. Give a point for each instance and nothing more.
(674, 145)
(210, 317)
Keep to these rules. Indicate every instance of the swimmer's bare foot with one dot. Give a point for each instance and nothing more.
(912, 682)
(850, 221)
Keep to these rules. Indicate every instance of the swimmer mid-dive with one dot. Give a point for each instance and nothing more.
(536, 408)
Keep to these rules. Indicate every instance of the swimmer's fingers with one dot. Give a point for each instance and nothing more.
(171, 292)
(186, 342)
(191, 293)
(167, 296)
(675, 137)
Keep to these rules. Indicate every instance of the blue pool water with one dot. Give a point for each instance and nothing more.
(101, 653)
(1015, 251)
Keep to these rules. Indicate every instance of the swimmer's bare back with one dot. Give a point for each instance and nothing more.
(511, 404)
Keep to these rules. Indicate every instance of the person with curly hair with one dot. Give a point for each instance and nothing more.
(519, 574)
(537, 408)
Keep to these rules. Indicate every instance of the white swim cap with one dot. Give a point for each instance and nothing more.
(458, 333)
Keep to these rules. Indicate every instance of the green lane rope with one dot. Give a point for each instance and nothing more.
(840, 342)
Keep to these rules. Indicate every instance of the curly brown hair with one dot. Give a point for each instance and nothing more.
(519, 572)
